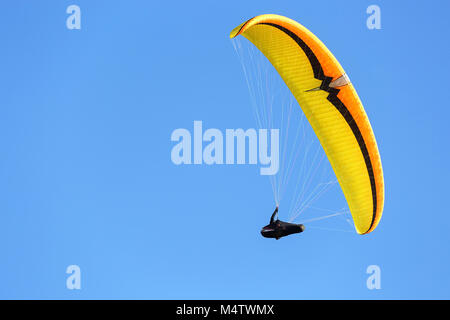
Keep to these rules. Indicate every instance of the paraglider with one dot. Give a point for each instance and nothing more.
(332, 107)
(278, 229)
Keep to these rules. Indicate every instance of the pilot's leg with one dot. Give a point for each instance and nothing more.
(272, 218)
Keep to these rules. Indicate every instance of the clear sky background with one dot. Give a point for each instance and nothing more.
(85, 171)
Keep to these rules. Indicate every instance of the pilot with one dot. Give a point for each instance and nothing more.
(278, 229)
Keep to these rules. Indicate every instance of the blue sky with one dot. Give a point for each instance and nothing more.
(86, 177)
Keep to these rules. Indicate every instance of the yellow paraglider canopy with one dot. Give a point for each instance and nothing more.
(332, 107)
